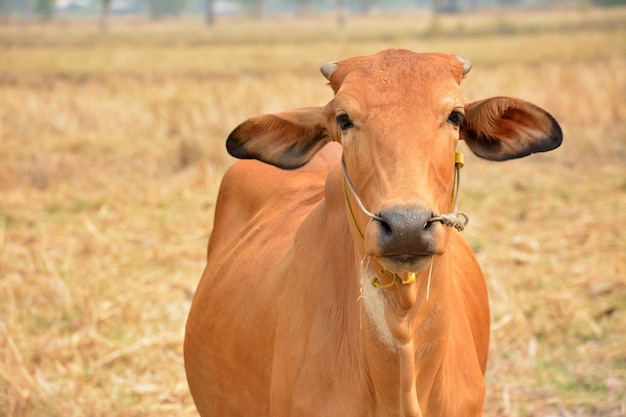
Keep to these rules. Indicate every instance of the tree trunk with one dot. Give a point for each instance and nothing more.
(104, 16)
(210, 12)
(341, 13)
(259, 9)
(366, 6)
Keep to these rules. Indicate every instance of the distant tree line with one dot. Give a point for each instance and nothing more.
(157, 9)
(48, 8)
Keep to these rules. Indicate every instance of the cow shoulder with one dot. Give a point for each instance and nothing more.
(253, 193)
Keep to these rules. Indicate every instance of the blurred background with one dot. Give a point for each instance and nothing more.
(113, 117)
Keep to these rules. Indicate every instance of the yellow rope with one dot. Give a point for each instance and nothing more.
(356, 226)
(376, 283)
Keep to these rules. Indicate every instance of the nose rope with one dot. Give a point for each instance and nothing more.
(356, 197)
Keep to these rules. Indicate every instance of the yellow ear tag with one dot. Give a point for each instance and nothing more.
(459, 159)
(410, 279)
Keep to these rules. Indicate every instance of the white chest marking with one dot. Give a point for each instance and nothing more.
(374, 302)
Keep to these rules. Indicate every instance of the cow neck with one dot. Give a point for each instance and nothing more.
(406, 317)
(404, 339)
(414, 334)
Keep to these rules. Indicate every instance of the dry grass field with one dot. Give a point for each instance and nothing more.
(111, 152)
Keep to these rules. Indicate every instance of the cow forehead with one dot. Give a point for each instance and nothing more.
(395, 68)
(398, 79)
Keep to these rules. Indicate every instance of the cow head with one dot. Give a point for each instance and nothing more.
(399, 116)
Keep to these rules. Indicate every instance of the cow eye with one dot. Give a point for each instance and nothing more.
(456, 118)
(344, 122)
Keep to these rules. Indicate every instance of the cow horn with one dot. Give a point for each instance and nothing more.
(328, 68)
(467, 64)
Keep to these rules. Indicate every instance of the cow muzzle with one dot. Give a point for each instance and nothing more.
(404, 238)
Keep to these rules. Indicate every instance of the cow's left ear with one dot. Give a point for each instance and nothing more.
(502, 128)
(287, 140)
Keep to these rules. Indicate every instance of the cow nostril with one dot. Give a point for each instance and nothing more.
(386, 228)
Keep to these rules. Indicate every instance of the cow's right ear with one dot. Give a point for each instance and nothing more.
(502, 128)
(287, 140)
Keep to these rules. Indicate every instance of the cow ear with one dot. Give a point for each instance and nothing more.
(287, 140)
(502, 128)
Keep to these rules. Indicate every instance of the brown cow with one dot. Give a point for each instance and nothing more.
(336, 289)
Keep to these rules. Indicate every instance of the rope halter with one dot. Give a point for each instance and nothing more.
(455, 218)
